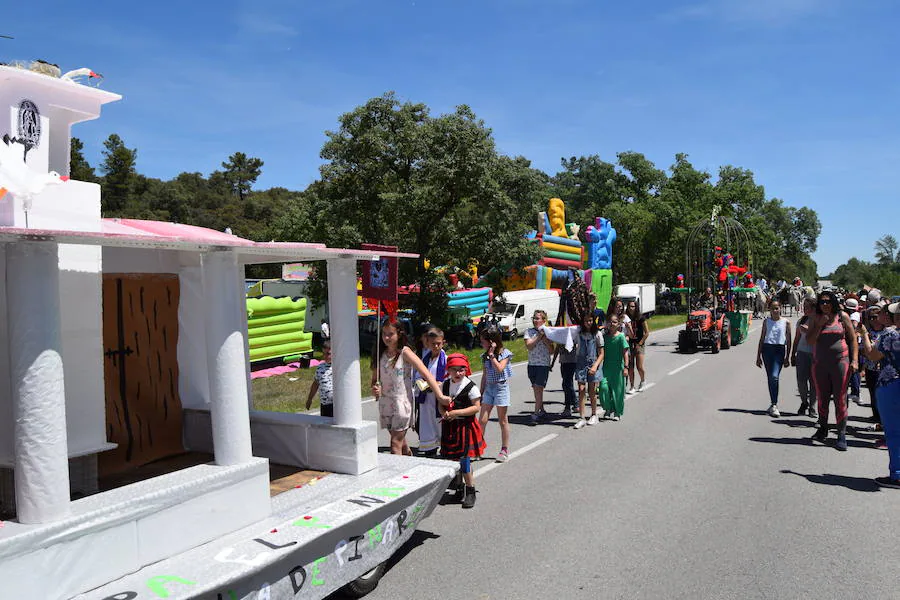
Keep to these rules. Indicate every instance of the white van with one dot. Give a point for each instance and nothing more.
(643, 293)
(515, 309)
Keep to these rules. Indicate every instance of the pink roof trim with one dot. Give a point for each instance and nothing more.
(175, 231)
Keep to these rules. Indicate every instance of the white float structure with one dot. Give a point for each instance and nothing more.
(53, 414)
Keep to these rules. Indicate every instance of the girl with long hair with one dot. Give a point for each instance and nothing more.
(392, 384)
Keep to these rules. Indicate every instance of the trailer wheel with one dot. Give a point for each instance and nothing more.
(365, 583)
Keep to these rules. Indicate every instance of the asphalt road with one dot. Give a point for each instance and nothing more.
(696, 493)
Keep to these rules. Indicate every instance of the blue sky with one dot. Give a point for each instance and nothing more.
(805, 93)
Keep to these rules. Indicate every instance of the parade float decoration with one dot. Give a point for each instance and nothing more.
(718, 316)
(565, 257)
(132, 464)
(598, 273)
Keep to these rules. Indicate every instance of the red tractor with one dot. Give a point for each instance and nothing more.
(705, 328)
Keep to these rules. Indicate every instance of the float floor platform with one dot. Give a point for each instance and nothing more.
(281, 477)
(318, 538)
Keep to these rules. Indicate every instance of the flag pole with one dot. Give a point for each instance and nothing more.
(378, 342)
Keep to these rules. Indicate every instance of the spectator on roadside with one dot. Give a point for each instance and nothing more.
(877, 322)
(540, 350)
(587, 366)
(567, 371)
(322, 383)
(774, 351)
(833, 338)
(851, 306)
(802, 359)
(495, 386)
(887, 351)
(427, 411)
(637, 332)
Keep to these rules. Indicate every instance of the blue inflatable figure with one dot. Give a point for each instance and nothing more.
(600, 238)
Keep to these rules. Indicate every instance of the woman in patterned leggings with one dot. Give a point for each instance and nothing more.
(833, 339)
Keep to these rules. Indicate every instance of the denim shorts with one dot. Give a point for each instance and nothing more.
(496, 394)
(538, 375)
(582, 375)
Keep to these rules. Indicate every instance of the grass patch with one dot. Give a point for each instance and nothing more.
(664, 321)
(288, 392)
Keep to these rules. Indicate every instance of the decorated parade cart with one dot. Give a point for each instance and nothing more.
(717, 284)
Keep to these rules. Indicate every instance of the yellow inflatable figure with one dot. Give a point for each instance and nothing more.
(557, 217)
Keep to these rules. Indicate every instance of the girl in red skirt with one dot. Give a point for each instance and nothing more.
(461, 435)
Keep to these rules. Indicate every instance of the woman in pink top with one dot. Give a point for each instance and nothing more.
(835, 353)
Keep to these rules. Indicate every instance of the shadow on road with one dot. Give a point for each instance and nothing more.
(791, 441)
(805, 441)
(795, 422)
(743, 410)
(857, 484)
(550, 419)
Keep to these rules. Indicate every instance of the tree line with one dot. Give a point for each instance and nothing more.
(393, 173)
(882, 273)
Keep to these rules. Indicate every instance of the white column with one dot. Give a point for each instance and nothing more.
(343, 321)
(42, 459)
(225, 309)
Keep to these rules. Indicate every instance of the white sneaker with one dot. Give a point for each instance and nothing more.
(641, 387)
(630, 390)
(615, 417)
(853, 398)
(593, 420)
(773, 411)
(607, 414)
(580, 423)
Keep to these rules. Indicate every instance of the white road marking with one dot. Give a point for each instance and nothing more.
(517, 453)
(696, 360)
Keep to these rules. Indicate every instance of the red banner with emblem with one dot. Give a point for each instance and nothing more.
(379, 278)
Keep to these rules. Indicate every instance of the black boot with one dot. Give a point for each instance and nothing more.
(804, 407)
(469, 500)
(821, 434)
(842, 437)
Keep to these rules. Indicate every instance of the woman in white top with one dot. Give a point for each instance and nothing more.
(774, 344)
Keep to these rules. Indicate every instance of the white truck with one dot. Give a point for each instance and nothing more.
(643, 293)
(514, 310)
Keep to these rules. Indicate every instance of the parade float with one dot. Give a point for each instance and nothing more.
(132, 465)
(718, 258)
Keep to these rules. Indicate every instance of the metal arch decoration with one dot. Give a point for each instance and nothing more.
(709, 244)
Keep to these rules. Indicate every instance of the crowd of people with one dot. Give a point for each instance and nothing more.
(430, 391)
(838, 344)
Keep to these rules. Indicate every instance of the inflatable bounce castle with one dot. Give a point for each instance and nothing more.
(563, 252)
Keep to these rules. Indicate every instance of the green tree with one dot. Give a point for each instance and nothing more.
(79, 168)
(430, 185)
(241, 172)
(886, 250)
(119, 175)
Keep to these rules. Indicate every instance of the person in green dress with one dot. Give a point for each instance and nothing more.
(615, 367)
